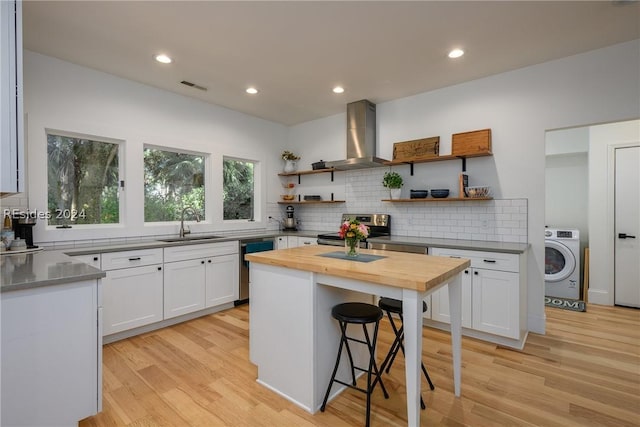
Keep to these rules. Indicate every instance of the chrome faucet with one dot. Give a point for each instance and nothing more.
(183, 230)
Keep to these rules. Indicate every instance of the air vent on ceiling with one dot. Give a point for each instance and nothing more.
(193, 85)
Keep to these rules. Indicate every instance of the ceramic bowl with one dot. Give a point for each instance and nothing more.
(440, 193)
(418, 194)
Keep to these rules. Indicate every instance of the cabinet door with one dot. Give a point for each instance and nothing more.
(440, 302)
(496, 302)
(223, 283)
(132, 297)
(11, 99)
(184, 287)
(282, 242)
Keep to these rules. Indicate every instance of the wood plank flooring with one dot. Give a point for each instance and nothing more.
(584, 372)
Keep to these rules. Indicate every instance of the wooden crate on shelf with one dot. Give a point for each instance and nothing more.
(477, 142)
(417, 149)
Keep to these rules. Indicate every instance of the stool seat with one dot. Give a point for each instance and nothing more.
(357, 312)
(395, 306)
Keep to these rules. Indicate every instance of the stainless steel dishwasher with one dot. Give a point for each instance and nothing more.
(249, 246)
(398, 247)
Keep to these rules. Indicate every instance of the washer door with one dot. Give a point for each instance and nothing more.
(559, 261)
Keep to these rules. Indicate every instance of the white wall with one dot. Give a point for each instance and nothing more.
(62, 96)
(519, 107)
(603, 140)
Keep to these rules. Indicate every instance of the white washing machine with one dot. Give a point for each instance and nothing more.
(562, 263)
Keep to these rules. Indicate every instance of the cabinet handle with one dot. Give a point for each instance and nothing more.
(466, 272)
(475, 272)
(307, 243)
(202, 262)
(159, 268)
(453, 256)
(135, 259)
(95, 258)
(625, 236)
(491, 261)
(209, 261)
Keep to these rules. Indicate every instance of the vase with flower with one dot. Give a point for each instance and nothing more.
(290, 161)
(352, 231)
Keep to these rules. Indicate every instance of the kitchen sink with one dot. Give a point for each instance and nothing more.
(189, 238)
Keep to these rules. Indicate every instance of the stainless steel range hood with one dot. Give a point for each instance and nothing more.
(361, 138)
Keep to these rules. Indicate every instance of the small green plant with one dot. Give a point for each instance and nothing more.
(288, 155)
(392, 180)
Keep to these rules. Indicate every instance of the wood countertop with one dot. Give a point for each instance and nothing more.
(403, 270)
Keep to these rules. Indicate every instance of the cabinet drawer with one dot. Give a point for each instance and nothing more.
(92, 259)
(127, 259)
(185, 252)
(483, 259)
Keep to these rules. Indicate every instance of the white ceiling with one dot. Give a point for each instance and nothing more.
(295, 52)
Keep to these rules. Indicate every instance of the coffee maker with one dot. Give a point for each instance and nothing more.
(289, 223)
(23, 229)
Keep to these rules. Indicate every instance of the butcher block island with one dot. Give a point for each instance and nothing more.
(293, 338)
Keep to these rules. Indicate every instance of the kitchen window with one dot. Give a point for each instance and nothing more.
(238, 189)
(173, 180)
(82, 180)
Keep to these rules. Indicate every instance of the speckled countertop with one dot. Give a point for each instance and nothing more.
(51, 267)
(43, 268)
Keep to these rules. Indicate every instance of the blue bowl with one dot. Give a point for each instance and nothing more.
(440, 193)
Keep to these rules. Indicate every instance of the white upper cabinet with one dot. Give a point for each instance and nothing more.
(11, 120)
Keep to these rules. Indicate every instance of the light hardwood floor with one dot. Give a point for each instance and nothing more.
(584, 372)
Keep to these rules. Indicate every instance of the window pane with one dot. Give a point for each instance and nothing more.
(172, 181)
(238, 189)
(82, 180)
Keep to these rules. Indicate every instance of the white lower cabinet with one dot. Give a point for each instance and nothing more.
(284, 242)
(492, 293)
(306, 241)
(132, 291)
(51, 355)
(92, 259)
(200, 276)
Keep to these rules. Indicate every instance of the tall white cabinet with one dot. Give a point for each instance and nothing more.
(11, 115)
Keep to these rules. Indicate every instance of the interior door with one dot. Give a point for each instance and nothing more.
(627, 227)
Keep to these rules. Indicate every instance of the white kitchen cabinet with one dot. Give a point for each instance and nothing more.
(222, 285)
(200, 276)
(440, 302)
(492, 295)
(284, 242)
(132, 290)
(306, 241)
(11, 115)
(184, 287)
(51, 355)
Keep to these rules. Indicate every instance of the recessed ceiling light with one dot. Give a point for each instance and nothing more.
(338, 89)
(252, 90)
(164, 59)
(456, 53)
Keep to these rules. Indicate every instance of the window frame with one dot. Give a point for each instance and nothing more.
(121, 181)
(206, 217)
(258, 196)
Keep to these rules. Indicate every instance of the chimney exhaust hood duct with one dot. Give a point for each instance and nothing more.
(361, 138)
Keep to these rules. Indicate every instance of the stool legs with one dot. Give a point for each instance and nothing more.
(372, 370)
(398, 345)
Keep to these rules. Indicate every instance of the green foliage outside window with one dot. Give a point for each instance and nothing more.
(238, 189)
(82, 181)
(172, 181)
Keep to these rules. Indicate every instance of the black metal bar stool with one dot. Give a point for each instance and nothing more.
(361, 314)
(390, 305)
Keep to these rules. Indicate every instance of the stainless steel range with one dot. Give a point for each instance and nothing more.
(379, 226)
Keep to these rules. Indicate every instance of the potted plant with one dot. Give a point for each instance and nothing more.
(290, 160)
(393, 181)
